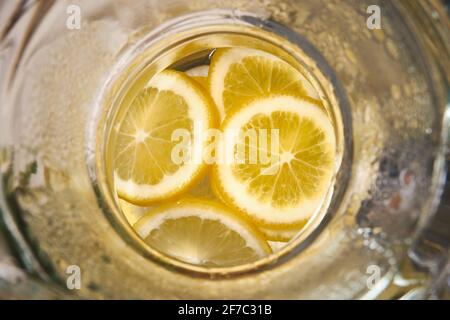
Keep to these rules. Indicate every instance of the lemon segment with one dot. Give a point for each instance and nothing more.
(203, 233)
(145, 170)
(291, 187)
(238, 76)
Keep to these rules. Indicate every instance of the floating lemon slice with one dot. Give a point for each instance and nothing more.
(203, 233)
(145, 168)
(238, 76)
(290, 188)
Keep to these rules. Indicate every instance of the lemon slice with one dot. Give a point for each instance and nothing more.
(203, 233)
(145, 168)
(238, 76)
(291, 187)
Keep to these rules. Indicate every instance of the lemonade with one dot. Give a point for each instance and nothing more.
(221, 160)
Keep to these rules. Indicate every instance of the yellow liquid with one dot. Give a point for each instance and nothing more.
(193, 58)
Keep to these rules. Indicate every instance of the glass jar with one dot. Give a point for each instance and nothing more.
(65, 64)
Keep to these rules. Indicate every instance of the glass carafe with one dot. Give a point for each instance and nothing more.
(63, 65)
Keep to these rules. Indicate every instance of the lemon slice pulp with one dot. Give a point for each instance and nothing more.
(203, 233)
